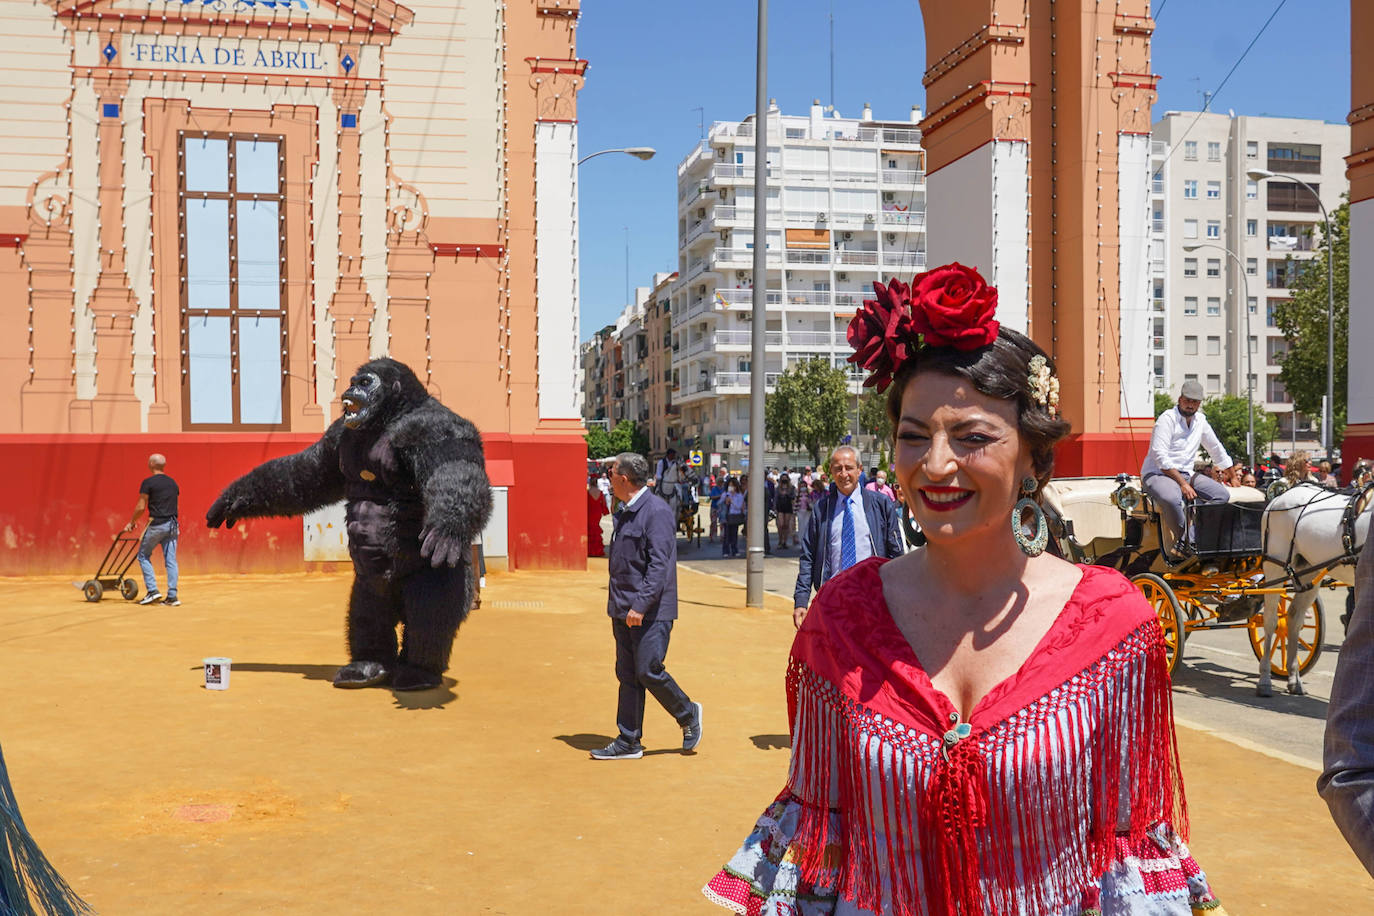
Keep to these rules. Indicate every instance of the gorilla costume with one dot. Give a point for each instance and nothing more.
(415, 480)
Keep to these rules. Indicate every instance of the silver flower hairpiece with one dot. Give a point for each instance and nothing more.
(1044, 385)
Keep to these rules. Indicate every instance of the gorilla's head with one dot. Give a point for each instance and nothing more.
(378, 390)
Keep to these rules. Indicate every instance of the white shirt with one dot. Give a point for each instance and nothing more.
(1174, 444)
(863, 540)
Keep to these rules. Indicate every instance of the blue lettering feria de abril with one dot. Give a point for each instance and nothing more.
(172, 52)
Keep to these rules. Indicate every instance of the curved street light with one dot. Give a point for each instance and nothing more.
(1329, 418)
(1249, 354)
(639, 152)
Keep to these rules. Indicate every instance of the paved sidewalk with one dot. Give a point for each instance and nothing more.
(284, 795)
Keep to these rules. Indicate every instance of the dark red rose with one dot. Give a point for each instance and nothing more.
(881, 333)
(952, 306)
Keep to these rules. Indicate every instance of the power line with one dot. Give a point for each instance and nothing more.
(1213, 94)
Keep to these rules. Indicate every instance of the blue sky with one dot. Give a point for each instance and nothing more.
(653, 63)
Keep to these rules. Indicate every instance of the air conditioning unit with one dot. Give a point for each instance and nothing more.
(787, 274)
(891, 237)
(746, 316)
(724, 194)
(704, 185)
(701, 212)
(821, 217)
(740, 275)
(701, 290)
(846, 235)
(868, 217)
(841, 276)
(727, 445)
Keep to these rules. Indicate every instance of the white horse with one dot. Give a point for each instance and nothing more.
(1305, 529)
(671, 485)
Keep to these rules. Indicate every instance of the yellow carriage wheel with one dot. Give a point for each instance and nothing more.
(1165, 603)
(1310, 637)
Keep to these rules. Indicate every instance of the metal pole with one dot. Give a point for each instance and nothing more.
(1249, 358)
(758, 515)
(1329, 421)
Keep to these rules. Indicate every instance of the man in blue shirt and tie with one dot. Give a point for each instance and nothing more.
(849, 524)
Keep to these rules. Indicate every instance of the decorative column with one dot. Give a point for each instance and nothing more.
(47, 401)
(1359, 430)
(1037, 147)
(350, 307)
(555, 84)
(113, 303)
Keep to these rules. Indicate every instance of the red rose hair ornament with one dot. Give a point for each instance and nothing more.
(882, 334)
(950, 306)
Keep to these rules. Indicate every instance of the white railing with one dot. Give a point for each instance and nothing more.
(1156, 225)
(696, 230)
(804, 256)
(746, 339)
(911, 220)
(703, 150)
(741, 257)
(695, 267)
(848, 177)
(902, 176)
(856, 257)
(1157, 265)
(728, 171)
(745, 296)
(904, 259)
(741, 380)
(816, 339)
(850, 300)
(698, 307)
(808, 297)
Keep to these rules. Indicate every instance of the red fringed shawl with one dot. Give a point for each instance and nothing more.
(1022, 814)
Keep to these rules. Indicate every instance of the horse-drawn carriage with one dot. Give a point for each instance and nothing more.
(1256, 562)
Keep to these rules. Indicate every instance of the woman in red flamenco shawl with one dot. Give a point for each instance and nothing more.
(596, 510)
(978, 728)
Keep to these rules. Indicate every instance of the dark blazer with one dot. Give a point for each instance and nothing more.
(884, 530)
(643, 561)
(1347, 780)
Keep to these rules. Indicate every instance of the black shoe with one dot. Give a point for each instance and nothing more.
(152, 598)
(173, 601)
(691, 732)
(362, 674)
(619, 749)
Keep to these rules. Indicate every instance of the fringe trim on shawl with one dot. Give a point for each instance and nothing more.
(997, 829)
(29, 885)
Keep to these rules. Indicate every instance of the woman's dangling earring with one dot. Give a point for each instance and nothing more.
(1032, 545)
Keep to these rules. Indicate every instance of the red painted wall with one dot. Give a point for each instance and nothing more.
(1103, 454)
(68, 495)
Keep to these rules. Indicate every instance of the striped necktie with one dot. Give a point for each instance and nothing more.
(847, 548)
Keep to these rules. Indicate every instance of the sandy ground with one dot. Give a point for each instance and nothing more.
(284, 795)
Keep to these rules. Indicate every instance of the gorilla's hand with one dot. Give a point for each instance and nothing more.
(441, 549)
(226, 510)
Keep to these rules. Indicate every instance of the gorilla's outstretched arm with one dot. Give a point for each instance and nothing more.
(445, 454)
(291, 485)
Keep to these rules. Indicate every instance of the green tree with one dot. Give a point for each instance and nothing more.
(625, 436)
(809, 408)
(873, 416)
(1303, 322)
(1163, 401)
(1229, 416)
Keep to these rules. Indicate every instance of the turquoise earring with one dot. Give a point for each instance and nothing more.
(1032, 544)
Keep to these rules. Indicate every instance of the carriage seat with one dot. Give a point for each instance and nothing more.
(1244, 495)
(1087, 502)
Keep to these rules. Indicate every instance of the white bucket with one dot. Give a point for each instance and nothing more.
(217, 673)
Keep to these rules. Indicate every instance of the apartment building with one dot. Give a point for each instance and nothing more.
(846, 206)
(1225, 247)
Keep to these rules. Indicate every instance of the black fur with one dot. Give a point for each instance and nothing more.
(415, 481)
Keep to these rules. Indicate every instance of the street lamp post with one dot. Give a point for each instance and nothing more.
(1329, 415)
(639, 152)
(1249, 354)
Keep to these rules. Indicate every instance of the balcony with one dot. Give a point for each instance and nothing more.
(739, 382)
(908, 259)
(902, 176)
(703, 151)
(845, 176)
(904, 218)
(772, 339)
(855, 257)
(808, 257)
(733, 173)
(1291, 243)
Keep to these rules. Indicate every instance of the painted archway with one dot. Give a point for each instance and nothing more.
(1038, 139)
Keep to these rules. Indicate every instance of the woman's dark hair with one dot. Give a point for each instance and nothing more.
(1001, 371)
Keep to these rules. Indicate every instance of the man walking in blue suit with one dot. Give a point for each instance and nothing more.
(849, 524)
(642, 605)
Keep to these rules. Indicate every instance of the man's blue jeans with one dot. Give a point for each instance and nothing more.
(164, 533)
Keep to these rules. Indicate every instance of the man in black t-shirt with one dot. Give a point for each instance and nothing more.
(157, 495)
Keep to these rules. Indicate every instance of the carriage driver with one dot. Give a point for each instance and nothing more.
(1167, 474)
